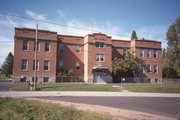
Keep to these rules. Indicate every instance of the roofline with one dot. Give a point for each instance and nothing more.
(70, 36)
(148, 41)
(34, 30)
(121, 40)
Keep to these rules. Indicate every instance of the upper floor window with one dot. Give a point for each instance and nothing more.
(46, 65)
(61, 48)
(148, 68)
(124, 52)
(148, 53)
(141, 52)
(77, 65)
(47, 46)
(78, 49)
(155, 69)
(142, 68)
(24, 65)
(99, 57)
(112, 50)
(99, 44)
(155, 53)
(61, 65)
(38, 46)
(25, 45)
(37, 65)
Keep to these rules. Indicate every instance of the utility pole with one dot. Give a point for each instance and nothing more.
(35, 56)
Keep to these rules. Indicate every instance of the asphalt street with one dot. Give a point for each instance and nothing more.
(4, 86)
(155, 103)
(169, 107)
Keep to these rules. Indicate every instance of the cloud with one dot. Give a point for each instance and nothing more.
(7, 25)
(157, 33)
(35, 15)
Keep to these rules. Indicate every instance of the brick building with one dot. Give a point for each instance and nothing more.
(89, 56)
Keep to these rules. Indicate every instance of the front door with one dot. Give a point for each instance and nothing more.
(99, 77)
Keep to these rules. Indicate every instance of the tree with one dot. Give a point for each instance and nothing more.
(171, 63)
(134, 36)
(126, 66)
(7, 66)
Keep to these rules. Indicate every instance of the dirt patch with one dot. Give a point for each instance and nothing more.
(114, 113)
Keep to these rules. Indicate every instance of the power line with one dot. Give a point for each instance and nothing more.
(22, 17)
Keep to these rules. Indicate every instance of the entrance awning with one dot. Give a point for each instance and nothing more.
(101, 67)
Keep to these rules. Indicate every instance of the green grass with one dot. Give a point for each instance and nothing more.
(154, 88)
(68, 88)
(3, 78)
(20, 109)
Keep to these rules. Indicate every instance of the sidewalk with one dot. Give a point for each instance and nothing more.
(82, 93)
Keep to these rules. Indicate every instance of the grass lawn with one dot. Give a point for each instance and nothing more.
(68, 88)
(2, 78)
(20, 109)
(154, 88)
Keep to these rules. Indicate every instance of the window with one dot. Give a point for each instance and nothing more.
(141, 52)
(148, 68)
(99, 44)
(45, 79)
(78, 49)
(33, 79)
(37, 65)
(46, 65)
(47, 46)
(148, 53)
(38, 46)
(25, 45)
(24, 65)
(61, 65)
(155, 53)
(155, 69)
(77, 65)
(124, 52)
(141, 68)
(99, 57)
(61, 48)
(112, 50)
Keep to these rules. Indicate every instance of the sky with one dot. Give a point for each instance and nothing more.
(117, 18)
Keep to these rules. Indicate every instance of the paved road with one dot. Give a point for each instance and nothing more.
(4, 86)
(169, 107)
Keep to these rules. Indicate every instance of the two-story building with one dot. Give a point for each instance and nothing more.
(89, 56)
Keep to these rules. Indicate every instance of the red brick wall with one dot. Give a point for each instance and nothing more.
(19, 54)
(70, 56)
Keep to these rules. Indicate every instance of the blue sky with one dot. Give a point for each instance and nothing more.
(149, 18)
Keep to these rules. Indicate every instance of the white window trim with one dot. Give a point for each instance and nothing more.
(27, 45)
(142, 53)
(149, 53)
(48, 65)
(24, 70)
(99, 57)
(37, 64)
(79, 49)
(157, 69)
(156, 54)
(99, 45)
(79, 65)
(150, 68)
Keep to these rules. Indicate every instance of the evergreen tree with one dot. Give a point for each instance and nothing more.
(7, 66)
(134, 36)
(172, 58)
